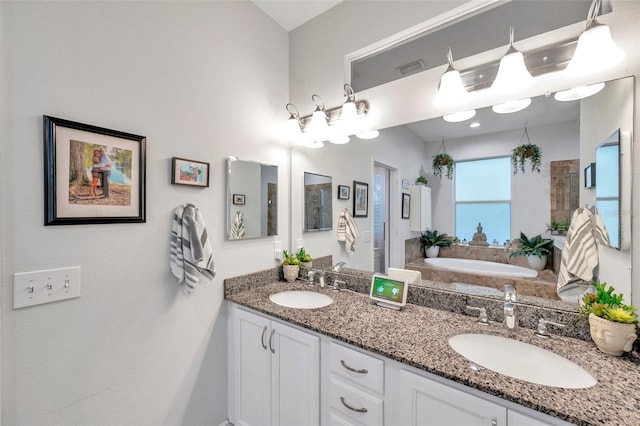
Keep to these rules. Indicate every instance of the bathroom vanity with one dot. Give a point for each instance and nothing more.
(297, 366)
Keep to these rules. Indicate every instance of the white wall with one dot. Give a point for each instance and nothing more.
(530, 192)
(397, 148)
(201, 80)
(319, 47)
(600, 116)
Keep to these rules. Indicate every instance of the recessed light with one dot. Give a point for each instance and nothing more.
(459, 116)
(511, 106)
(474, 124)
(578, 92)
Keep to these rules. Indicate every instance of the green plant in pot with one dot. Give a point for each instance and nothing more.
(612, 323)
(421, 180)
(290, 266)
(443, 164)
(431, 241)
(558, 227)
(536, 249)
(523, 153)
(306, 262)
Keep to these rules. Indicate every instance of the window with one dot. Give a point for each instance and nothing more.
(483, 195)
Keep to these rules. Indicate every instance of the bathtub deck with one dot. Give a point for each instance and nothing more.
(544, 285)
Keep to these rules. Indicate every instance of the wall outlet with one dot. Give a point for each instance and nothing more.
(51, 285)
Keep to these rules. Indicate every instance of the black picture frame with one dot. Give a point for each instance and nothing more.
(116, 162)
(590, 176)
(360, 199)
(344, 192)
(406, 205)
(189, 172)
(239, 199)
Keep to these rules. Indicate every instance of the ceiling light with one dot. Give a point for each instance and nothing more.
(339, 140)
(511, 106)
(578, 92)
(293, 123)
(451, 91)
(474, 124)
(459, 116)
(368, 134)
(596, 50)
(319, 120)
(314, 144)
(349, 114)
(512, 75)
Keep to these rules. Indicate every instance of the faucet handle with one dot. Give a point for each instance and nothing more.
(336, 284)
(542, 328)
(483, 319)
(509, 293)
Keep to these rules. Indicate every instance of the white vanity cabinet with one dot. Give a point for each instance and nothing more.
(426, 402)
(274, 372)
(353, 384)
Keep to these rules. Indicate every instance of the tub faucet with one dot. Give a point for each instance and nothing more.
(510, 319)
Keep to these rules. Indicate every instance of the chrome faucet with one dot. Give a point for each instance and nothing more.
(338, 267)
(510, 318)
(311, 275)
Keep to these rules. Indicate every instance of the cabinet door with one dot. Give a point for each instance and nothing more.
(519, 419)
(425, 402)
(295, 367)
(251, 372)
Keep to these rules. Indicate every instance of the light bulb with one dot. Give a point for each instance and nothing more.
(511, 106)
(459, 116)
(578, 92)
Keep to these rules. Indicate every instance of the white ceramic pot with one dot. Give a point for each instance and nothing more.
(537, 263)
(290, 272)
(433, 251)
(610, 337)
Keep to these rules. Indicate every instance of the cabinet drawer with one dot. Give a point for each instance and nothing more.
(356, 367)
(354, 404)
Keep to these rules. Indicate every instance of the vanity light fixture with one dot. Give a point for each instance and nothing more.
(511, 106)
(333, 125)
(596, 50)
(513, 74)
(578, 92)
(451, 90)
(457, 117)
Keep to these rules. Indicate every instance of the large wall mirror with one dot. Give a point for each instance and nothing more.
(252, 199)
(565, 131)
(318, 202)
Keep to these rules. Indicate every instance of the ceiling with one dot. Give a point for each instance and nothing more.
(293, 13)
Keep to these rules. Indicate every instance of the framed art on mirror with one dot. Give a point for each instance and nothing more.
(92, 174)
(360, 199)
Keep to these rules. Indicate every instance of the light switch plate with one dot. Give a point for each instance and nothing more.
(277, 249)
(51, 285)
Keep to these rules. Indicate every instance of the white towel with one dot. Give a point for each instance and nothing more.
(190, 251)
(580, 252)
(347, 231)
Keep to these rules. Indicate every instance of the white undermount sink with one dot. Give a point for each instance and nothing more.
(521, 360)
(301, 299)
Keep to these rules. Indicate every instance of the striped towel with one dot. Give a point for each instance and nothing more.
(190, 252)
(347, 231)
(580, 252)
(600, 230)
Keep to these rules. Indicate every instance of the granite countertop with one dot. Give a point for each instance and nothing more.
(353, 318)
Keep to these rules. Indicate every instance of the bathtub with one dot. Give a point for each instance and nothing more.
(480, 267)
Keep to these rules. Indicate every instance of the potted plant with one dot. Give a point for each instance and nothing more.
(536, 249)
(290, 266)
(522, 153)
(421, 180)
(558, 228)
(431, 242)
(305, 260)
(442, 162)
(612, 323)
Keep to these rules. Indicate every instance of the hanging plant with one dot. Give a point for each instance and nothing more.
(441, 162)
(524, 152)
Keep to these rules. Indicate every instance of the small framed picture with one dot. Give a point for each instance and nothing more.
(406, 184)
(189, 172)
(92, 174)
(590, 176)
(343, 192)
(360, 199)
(406, 205)
(238, 199)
